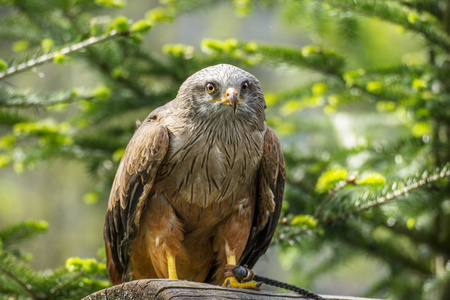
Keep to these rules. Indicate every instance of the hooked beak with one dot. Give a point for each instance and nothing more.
(232, 98)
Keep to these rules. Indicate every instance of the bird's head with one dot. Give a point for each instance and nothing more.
(223, 90)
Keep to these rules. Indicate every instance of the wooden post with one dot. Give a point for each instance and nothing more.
(164, 289)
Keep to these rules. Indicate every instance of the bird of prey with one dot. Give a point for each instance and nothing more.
(200, 184)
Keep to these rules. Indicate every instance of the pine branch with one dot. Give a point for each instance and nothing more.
(313, 57)
(326, 61)
(10, 118)
(11, 267)
(95, 58)
(39, 14)
(396, 194)
(103, 66)
(11, 28)
(10, 98)
(400, 189)
(331, 194)
(78, 278)
(20, 283)
(428, 6)
(401, 69)
(395, 13)
(20, 232)
(65, 51)
(63, 285)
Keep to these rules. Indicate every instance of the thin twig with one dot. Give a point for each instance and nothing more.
(332, 193)
(389, 197)
(445, 173)
(50, 56)
(37, 101)
(63, 285)
(103, 67)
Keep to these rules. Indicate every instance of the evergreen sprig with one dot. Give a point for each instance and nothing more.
(432, 7)
(10, 98)
(17, 279)
(397, 14)
(58, 56)
(355, 201)
(15, 234)
(314, 57)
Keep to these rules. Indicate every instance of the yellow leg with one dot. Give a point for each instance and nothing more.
(172, 267)
(231, 260)
(233, 282)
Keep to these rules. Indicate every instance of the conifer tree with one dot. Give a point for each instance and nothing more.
(367, 148)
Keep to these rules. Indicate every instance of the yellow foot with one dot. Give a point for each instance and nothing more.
(233, 282)
(171, 266)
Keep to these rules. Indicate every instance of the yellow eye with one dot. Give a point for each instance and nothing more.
(210, 88)
(245, 86)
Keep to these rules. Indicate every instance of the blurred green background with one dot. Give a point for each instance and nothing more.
(323, 123)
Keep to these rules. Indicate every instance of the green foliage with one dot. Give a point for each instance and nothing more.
(329, 179)
(12, 235)
(366, 144)
(18, 280)
(111, 3)
(121, 24)
(3, 65)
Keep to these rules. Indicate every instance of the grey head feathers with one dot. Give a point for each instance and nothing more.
(195, 100)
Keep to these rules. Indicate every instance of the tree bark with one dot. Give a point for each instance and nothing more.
(180, 289)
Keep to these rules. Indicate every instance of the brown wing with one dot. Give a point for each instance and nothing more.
(132, 184)
(271, 179)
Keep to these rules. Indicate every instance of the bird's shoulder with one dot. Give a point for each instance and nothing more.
(159, 113)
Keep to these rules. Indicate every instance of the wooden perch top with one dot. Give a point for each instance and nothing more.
(182, 289)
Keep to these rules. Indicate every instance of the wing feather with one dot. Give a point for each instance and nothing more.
(132, 185)
(271, 180)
